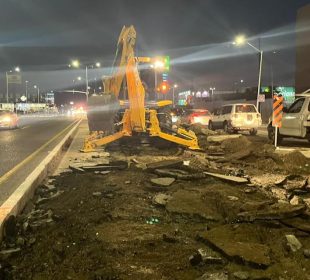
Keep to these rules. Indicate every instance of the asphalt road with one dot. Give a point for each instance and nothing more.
(18, 144)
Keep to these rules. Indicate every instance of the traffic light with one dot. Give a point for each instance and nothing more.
(167, 63)
(164, 87)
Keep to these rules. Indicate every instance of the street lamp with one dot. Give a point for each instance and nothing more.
(76, 64)
(16, 69)
(38, 92)
(173, 98)
(241, 40)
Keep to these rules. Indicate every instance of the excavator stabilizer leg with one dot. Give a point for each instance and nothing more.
(96, 139)
(188, 139)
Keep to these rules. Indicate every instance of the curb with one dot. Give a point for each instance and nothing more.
(18, 199)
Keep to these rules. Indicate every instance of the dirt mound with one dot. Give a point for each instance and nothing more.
(296, 158)
(236, 145)
(296, 162)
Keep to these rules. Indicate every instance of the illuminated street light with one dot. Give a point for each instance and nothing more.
(241, 40)
(75, 63)
(158, 64)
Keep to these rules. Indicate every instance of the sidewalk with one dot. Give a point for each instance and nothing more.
(74, 150)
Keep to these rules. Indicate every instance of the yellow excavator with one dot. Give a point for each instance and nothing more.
(122, 110)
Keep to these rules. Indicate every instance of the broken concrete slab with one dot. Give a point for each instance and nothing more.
(234, 179)
(179, 174)
(277, 211)
(161, 199)
(292, 242)
(295, 200)
(209, 256)
(165, 164)
(221, 138)
(191, 203)
(299, 223)
(236, 156)
(163, 181)
(76, 168)
(279, 193)
(251, 253)
(267, 180)
(113, 165)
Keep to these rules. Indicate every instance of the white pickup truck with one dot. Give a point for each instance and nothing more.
(295, 121)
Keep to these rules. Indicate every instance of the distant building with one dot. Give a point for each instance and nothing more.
(303, 49)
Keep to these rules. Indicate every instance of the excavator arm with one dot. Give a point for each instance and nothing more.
(136, 118)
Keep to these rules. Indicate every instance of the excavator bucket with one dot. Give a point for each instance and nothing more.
(102, 110)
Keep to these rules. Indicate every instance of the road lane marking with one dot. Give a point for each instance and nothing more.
(7, 175)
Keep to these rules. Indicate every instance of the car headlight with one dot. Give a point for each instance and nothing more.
(7, 119)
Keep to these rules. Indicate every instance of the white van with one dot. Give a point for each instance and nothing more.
(295, 121)
(236, 117)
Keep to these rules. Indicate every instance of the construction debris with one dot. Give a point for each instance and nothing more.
(293, 243)
(229, 210)
(163, 181)
(228, 178)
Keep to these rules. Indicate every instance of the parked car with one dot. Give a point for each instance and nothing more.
(236, 117)
(190, 116)
(8, 119)
(295, 121)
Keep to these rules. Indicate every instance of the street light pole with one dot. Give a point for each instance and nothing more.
(7, 87)
(26, 91)
(86, 78)
(240, 40)
(38, 91)
(173, 98)
(259, 72)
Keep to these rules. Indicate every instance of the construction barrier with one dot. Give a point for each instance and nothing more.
(277, 110)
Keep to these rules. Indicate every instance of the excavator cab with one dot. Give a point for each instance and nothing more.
(124, 108)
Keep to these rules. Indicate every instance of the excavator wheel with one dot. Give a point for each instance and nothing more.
(102, 112)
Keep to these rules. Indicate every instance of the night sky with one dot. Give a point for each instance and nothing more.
(42, 36)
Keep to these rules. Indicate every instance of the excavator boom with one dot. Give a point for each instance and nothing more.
(136, 118)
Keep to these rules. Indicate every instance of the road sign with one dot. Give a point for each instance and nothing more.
(261, 98)
(14, 78)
